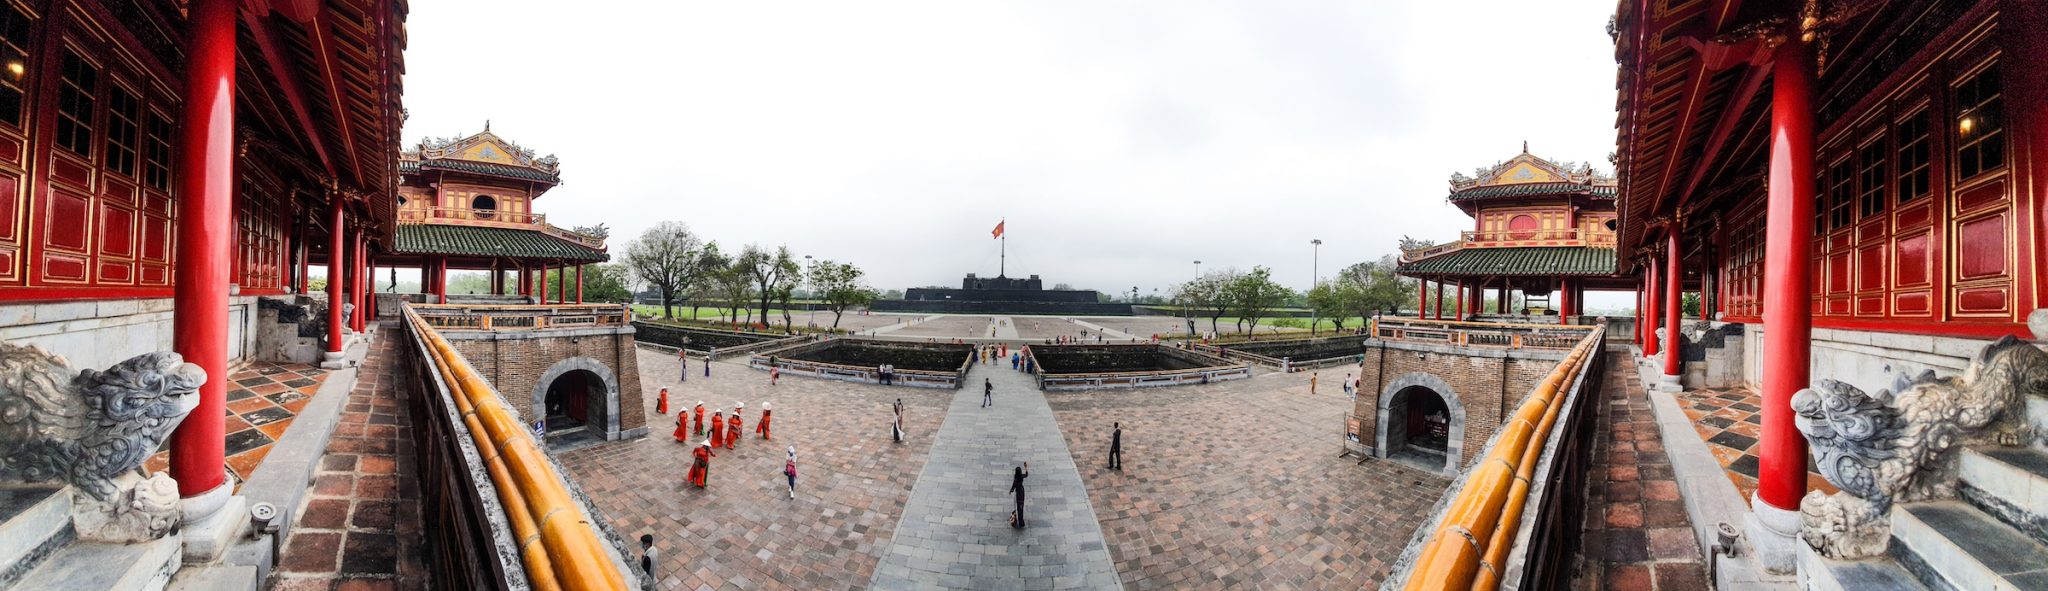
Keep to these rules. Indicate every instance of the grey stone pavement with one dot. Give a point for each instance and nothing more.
(955, 531)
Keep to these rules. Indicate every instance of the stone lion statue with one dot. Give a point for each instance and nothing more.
(93, 429)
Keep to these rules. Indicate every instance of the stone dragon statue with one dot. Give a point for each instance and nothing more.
(1900, 445)
(93, 430)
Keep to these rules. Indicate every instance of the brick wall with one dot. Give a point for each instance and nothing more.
(1488, 383)
(516, 362)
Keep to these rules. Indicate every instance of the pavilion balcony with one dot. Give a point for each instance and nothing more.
(492, 218)
(1512, 238)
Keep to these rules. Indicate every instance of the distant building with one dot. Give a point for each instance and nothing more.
(1001, 294)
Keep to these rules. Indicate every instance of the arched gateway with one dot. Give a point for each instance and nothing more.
(579, 398)
(1421, 423)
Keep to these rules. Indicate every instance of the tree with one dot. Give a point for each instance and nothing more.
(735, 284)
(1335, 299)
(840, 285)
(1206, 294)
(1253, 295)
(893, 294)
(664, 257)
(606, 283)
(709, 264)
(1382, 289)
(774, 274)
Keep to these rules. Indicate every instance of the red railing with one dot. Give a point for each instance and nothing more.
(492, 218)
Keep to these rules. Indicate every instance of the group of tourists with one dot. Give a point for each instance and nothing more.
(722, 431)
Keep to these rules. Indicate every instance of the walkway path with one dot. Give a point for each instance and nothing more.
(1006, 327)
(955, 532)
(1108, 333)
(1641, 538)
(899, 325)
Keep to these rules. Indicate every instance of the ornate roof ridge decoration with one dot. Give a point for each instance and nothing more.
(455, 148)
(1528, 168)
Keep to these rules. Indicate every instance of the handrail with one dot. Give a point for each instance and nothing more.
(502, 317)
(1468, 546)
(1480, 334)
(568, 554)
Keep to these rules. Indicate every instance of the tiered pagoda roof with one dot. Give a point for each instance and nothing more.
(484, 153)
(1520, 184)
(484, 241)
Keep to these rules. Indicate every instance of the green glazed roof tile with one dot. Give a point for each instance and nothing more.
(1552, 260)
(490, 242)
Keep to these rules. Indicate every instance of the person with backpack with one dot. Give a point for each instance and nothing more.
(789, 469)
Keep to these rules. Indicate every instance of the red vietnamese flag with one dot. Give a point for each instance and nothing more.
(998, 233)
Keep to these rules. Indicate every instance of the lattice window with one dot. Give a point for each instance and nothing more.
(1915, 174)
(1870, 178)
(1841, 192)
(14, 28)
(78, 81)
(124, 116)
(1980, 137)
(156, 168)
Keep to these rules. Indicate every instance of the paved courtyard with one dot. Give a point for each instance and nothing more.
(947, 328)
(1235, 485)
(743, 532)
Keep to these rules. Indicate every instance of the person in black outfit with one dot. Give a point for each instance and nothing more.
(988, 392)
(1017, 486)
(1116, 447)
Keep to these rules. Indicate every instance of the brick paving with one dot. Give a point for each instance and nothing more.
(742, 532)
(361, 527)
(264, 397)
(1729, 420)
(1238, 485)
(1637, 534)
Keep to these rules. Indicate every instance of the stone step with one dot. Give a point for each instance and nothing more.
(2010, 483)
(35, 521)
(91, 566)
(1952, 545)
(1817, 573)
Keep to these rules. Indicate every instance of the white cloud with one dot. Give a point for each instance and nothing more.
(1121, 140)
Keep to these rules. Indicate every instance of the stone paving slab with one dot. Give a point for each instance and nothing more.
(743, 532)
(1238, 485)
(955, 532)
(947, 327)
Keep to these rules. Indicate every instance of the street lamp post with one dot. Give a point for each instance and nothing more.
(810, 289)
(1315, 264)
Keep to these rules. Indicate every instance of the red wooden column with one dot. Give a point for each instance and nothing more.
(1674, 288)
(1787, 311)
(1565, 300)
(579, 284)
(441, 278)
(1656, 309)
(497, 278)
(561, 285)
(1439, 300)
(358, 280)
(305, 256)
(369, 286)
(1421, 298)
(335, 249)
(205, 257)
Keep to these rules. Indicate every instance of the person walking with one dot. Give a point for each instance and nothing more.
(896, 425)
(1350, 387)
(700, 465)
(1312, 382)
(767, 414)
(789, 469)
(717, 429)
(988, 392)
(682, 433)
(1017, 486)
(1014, 362)
(683, 359)
(709, 355)
(700, 417)
(1116, 447)
(734, 427)
(647, 554)
(774, 372)
(661, 404)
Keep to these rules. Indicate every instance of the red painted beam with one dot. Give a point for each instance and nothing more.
(206, 242)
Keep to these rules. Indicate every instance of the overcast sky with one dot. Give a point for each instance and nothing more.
(1121, 140)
